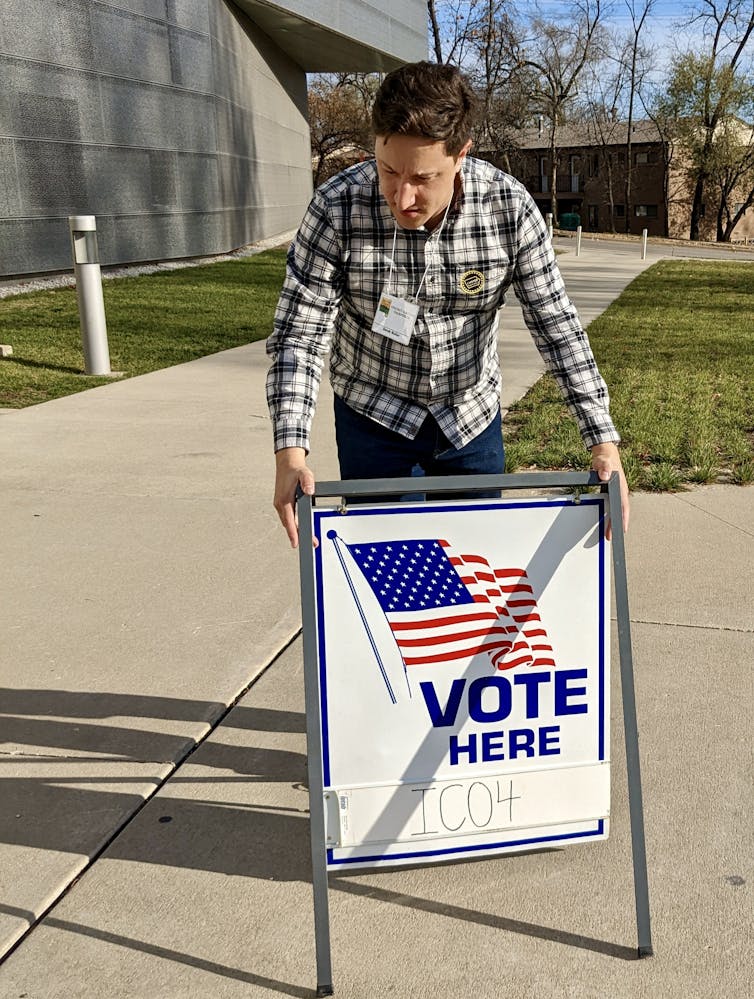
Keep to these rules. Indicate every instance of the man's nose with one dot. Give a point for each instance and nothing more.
(406, 195)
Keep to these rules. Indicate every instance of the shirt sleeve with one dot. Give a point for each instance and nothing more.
(303, 323)
(557, 331)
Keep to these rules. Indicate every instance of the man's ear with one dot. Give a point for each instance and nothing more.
(463, 153)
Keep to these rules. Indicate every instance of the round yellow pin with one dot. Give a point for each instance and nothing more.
(472, 282)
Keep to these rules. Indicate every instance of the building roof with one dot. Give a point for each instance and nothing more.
(611, 134)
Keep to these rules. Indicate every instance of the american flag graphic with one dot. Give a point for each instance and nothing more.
(444, 607)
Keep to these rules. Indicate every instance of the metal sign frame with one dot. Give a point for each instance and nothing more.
(389, 489)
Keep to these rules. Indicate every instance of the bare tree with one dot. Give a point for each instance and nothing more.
(639, 11)
(605, 85)
(339, 121)
(706, 88)
(453, 25)
(434, 27)
(557, 51)
(503, 85)
(733, 175)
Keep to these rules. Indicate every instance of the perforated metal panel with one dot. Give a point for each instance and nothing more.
(130, 45)
(52, 177)
(9, 200)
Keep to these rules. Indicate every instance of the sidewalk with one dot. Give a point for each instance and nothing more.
(147, 587)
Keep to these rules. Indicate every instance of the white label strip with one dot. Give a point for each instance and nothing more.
(428, 810)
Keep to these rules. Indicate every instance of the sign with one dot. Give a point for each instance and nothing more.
(464, 677)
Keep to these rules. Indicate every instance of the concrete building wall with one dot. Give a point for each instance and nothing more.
(180, 124)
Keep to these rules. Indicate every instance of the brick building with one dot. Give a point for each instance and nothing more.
(591, 180)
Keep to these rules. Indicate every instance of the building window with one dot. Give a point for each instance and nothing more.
(646, 211)
(619, 211)
(646, 157)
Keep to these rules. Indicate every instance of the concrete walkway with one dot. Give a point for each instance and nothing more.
(154, 843)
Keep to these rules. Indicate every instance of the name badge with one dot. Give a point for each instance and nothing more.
(395, 318)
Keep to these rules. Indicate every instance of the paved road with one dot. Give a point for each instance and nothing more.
(593, 246)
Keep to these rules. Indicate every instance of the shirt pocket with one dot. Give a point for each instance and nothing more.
(366, 274)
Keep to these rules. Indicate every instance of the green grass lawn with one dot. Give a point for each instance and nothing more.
(152, 322)
(677, 352)
(676, 349)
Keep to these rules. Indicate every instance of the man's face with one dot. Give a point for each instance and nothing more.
(417, 177)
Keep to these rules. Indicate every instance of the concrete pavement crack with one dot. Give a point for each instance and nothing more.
(701, 509)
(697, 627)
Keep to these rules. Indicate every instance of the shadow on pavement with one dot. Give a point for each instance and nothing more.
(254, 839)
(164, 952)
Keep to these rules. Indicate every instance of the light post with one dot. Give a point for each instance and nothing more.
(86, 269)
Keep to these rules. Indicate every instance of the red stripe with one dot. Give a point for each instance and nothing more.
(516, 662)
(439, 622)
(458, 654)
(447, 639)
(506, 573)
(520, 618)
(521, 603)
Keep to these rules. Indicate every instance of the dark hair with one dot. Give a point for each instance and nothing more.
(427, 100)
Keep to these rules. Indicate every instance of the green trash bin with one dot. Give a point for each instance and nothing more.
(569, 220)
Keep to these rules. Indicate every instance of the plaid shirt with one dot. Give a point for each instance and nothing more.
(337, 268)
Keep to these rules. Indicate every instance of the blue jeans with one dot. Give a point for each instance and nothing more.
(367, 450)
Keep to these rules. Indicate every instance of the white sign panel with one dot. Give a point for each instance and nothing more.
(464, 675)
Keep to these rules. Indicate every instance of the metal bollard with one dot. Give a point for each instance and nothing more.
(548, 219)
(578, 241)
(644, 233)
(89, 294)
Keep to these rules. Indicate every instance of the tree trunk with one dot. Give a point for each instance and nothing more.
(435, 29)
(553, 179)
(610, 196)
(696, 207)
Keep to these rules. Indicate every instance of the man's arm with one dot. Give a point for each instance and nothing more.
(561, 340)
(304, 320)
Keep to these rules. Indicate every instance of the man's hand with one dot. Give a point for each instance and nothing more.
(291, 472)
(605, 461)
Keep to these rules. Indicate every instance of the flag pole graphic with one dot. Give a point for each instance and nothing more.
(335, 539)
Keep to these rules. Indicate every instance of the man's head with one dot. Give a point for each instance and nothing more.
(422, 117)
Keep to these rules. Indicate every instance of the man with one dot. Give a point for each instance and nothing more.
(403, 263)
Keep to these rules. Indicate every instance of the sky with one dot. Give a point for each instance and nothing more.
(661, 31)
(661, 28)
